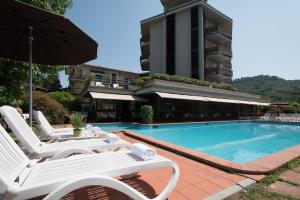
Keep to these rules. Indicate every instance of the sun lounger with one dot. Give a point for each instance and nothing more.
(64, 132)
(266, 117)
(22, 179)
(38, 149)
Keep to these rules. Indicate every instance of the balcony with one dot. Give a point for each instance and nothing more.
(218, 35)
(112, 82)
(145, 63)
(227, 65)
(219, 54)
(218, 70)
(145, 41)
(219, 78)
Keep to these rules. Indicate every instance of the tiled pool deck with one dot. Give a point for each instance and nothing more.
(261, 166)
(197, 181)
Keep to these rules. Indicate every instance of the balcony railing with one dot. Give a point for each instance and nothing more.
(218, 30)
(227, 65)
(111, 82)
(221, 50)
(219, 71)
(144, 40)
(145, 63)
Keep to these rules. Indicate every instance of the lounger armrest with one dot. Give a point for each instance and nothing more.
(103, 181)
(52, 140)
(63, 129)
(69, 152)
(106, 181)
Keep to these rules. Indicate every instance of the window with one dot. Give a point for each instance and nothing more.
(113, 77)
(171, 44)
(99, 75)
(195, 42)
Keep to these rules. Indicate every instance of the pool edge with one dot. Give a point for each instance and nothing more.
(262, 166)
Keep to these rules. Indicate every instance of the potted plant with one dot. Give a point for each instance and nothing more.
(77, 122)
(147, 114)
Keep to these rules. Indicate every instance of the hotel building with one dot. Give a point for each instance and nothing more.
(190, 39)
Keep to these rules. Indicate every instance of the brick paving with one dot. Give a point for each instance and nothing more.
(291, 176)
(286, 189)
(197, 181)
(289, 183)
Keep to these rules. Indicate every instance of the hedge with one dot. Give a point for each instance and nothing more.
(179, 79)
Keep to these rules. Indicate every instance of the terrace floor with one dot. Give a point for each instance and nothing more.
(197, 181)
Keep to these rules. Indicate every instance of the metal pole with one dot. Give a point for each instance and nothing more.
(30, 39)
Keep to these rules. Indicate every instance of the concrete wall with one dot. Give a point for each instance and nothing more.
(183, 43)
(158, 47)
(201, 44)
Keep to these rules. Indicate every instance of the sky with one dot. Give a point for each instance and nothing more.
(266, 34)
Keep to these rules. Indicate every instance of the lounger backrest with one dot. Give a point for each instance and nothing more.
(21, 129)
(283, 115)
(12, 162)
(44, 124)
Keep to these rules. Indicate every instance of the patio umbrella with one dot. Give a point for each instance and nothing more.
(33, 35)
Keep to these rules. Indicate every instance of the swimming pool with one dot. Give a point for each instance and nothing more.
(234, 141)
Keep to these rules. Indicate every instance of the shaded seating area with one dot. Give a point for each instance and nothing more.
(23, 179)
(281, 117)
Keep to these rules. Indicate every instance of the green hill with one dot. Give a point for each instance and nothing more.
(270, 87)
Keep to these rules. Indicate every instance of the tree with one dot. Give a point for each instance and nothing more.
(13, 74)
(56, 6)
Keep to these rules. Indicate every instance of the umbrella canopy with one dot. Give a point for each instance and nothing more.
(56, 40)
(31, 34)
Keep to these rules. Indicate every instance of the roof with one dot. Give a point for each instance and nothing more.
(107, 68)
(186, 5)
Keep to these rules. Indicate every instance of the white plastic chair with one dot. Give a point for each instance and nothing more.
(60, 132)
(38, 149)
(21, 179)
(266, 117)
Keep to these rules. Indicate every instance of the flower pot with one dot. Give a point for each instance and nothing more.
(77, 132)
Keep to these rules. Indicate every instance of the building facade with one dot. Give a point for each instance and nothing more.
(79, 78)
(111, 96)
(190, 39)
(107, 93)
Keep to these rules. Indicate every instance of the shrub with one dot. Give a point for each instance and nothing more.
(53, 110)
(179, 79)
(140, 81)
(10, 97)
(88, 78)
(147, 114)
(67, 99)
(296, 107)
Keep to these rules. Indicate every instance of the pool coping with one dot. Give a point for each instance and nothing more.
(262, 166)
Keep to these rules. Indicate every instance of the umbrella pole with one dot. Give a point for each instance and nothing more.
(30, 39)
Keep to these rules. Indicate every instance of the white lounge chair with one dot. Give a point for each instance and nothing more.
(266, 117)
(38, 149)
(61, 132)
(21, 179)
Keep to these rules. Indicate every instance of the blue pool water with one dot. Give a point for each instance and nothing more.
(235, 141)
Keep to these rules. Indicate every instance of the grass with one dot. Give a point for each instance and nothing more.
(261, 190)
(275, 176)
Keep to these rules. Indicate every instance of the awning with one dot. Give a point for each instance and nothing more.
(255, 103)
(120, 97)
(208, 99)
(222, 100)
(180, 96)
